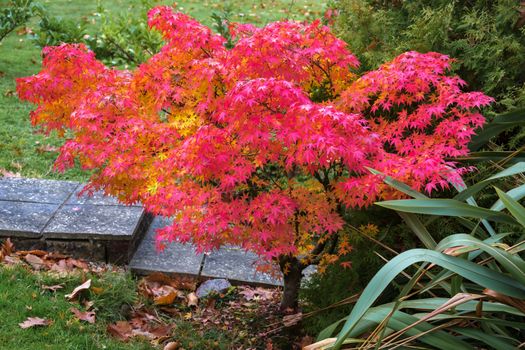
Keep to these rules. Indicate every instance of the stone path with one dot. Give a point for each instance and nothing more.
(49, 215)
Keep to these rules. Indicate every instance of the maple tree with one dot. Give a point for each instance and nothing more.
(265, 145)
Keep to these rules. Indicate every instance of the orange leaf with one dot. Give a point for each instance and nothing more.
(166, 299)
(7, 247)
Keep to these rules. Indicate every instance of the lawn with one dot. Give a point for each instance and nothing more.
(30, 154)
(130, 313)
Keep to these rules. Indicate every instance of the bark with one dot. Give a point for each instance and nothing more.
(292, 282)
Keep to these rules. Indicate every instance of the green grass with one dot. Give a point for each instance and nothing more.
(21, 296)
(21, 148)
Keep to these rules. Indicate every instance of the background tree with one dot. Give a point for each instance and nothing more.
(487, 39)
(264, 145)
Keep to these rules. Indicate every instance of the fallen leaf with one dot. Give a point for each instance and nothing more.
(88, 304)
(12, 260)
(7, 173)
(193, 300)
(24, 31)
(34, 322)
(7, 247)
(56, 256)
(88, 316)
(142, 333)
(60, 267)
(84, 286)
(36, 252)
(172, 345)
(46, 148)
(162, 295)
(52, 288)
(78, 263)
(166, 299)
(179, 282)
(256, 293)
(121, 330)
(34, 261)
(162, 331)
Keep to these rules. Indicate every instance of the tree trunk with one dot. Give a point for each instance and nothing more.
(292, 282)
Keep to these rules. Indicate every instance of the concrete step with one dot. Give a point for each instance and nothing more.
(49, 215)
(231, 263)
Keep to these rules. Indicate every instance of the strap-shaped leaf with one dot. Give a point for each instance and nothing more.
(509, 157)
(483, 276)
(516, 194)
(446, 207)
(516, 209)
(472, 190)
(511, 263)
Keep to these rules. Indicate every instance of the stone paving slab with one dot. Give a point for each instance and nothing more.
(177, 258)
(36, 190)
(236, 265)
(98, 198)
(24, 219)
(94, 222)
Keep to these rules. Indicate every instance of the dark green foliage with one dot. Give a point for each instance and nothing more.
(486, 37)
(15, 14)
(221, 23)
(117, 39)
(53, 31)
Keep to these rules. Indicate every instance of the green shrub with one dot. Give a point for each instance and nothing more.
(486, 37)
(16, 13)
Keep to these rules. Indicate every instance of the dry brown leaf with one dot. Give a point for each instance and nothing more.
(178, 282)
(162, 331)
(505, 299)
(60, 267)
(172, 345)
(36, 262)
(37, 252)
(256, 293)
(84, 286)
(142, 333)
(88, 316)
(7, 173)
(46, 148)
(193, 300)
(120, 330)
(78, 263)
(34, 322)
(7, 247)
(12, 260)
(52, 288)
